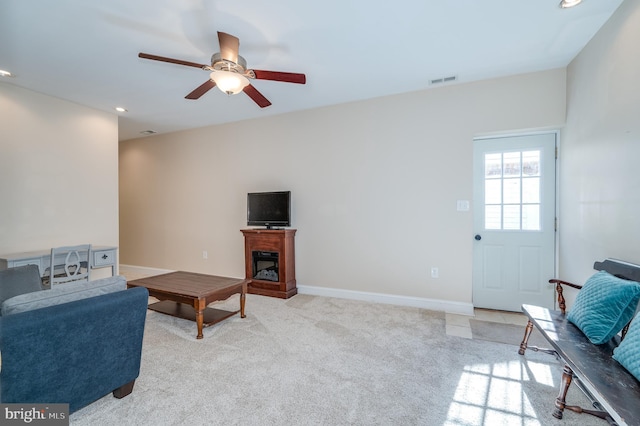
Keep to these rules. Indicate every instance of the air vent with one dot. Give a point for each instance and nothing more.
(148, 132)
(444, 80)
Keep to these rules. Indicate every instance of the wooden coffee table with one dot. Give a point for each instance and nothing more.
(187, 294)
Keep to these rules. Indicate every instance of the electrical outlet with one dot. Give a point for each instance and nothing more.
(434, 272)
(205, 255)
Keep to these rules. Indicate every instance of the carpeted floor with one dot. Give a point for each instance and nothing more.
(322, 361)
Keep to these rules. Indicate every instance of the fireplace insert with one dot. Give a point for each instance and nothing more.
(265, 265)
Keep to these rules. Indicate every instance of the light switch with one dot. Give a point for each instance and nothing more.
(463, 205)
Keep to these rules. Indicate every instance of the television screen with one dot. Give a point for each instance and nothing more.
(270, 209)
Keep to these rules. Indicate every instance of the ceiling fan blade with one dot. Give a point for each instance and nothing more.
(201, 90)
(170, 60)
(257, 97)
(287, 77)
(229, 46)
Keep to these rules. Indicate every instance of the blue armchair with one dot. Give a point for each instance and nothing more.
(75, 352)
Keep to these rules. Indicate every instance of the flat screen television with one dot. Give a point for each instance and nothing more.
(270, 209)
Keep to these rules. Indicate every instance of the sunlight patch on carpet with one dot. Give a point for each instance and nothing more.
(492, 394)
(541, 373)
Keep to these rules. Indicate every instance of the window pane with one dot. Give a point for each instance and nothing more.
(492, 165)
(531, 163)
(511, 191)
(492, 217)
(511, 164)
(531, 217)
(511, 217)
(492, 191)
(531, 190)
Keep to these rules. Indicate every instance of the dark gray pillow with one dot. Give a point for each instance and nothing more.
(19, 280)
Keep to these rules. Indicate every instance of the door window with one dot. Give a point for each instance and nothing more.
(512, 190)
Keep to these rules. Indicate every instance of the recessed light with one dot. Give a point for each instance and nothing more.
(120, 109)
(4, 73)
(148, 132)
(569, 3)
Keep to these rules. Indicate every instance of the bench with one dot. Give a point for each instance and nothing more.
(612, 390)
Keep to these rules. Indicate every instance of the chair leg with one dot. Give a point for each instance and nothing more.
(124, 390)
(525, 339)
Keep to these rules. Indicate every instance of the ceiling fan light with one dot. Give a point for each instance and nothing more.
(569, 3)
(229, 82)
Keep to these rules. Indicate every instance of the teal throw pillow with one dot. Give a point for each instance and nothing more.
(604, 305)
(628, 353)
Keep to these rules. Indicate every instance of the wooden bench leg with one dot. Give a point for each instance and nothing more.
(561, 400)
(524, 345)
(124, 390)
(525, 340)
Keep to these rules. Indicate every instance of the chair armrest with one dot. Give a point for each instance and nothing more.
(559, 283)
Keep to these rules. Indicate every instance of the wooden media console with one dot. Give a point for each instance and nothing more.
(269, 256)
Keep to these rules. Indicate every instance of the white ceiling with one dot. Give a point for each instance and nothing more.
(86, 51)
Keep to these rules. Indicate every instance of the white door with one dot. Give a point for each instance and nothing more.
(514, 221)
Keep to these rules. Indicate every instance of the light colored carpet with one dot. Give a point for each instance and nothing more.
(322, 361)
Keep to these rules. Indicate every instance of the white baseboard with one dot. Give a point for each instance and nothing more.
(416, 302)
(144, 270)
(448, 306)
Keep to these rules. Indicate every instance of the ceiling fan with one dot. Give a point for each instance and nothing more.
(230, 73)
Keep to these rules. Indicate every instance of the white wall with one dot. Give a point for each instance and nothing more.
(374, 186)
(600, 152)
(58, 173)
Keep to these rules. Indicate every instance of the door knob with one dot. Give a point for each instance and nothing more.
(478, 237)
